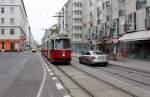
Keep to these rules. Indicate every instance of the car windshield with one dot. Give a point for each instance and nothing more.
(97, 53)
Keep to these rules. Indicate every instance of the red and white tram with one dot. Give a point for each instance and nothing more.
(58, 49)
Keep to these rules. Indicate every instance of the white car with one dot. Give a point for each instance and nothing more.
(93, 57)
(33, 50)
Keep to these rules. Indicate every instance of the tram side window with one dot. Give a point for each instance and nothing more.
(52, 44)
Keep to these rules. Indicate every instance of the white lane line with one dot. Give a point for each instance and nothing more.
(45, 64)
(59, 86)
(43, 82)
(48, 70)
(47, 67)
(67, 96)
(51, 74)
(54, 78)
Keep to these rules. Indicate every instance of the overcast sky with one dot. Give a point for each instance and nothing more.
(40, 15)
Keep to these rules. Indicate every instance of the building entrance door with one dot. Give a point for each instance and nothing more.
(3, 47)
(12, 46)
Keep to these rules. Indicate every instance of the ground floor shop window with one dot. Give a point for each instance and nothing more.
(140, 49)
(77, 48)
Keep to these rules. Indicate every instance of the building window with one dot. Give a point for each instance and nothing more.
(77, 12)
(102, 30)
(148, 12)
(2, 10)
(12, 10)
(77, 20)
(12, 31)
(77, 28)
(131, 22)
(91, 3)
(122, 8)
(77, 4)
(2, 31)
(12, 21)
(115, 27)
(141, 4)
(78, 36)
(2, 21)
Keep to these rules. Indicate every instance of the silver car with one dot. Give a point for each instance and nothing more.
(93, 57)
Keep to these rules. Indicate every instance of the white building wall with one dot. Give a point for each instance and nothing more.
(21, 24)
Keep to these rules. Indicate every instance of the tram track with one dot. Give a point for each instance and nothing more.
(131, 70)
(75, 82)
(87, 91)
(138, 77)
(93, 77)
(137, 73)
(133, 88)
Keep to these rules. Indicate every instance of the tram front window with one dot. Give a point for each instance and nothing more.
(62, 44)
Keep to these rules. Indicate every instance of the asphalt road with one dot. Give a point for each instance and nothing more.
(20, 74)
(24, 74)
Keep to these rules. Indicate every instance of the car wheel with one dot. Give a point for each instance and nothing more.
(80, 61)
(105, 64)
(88, 63)
(68, 63)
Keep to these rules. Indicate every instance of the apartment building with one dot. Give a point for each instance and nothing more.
(123, 26)
(116, 27)
(14, 25)
(136, 39)
(73, 20)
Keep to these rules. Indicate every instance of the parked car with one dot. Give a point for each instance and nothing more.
(93, 57)
(33, 50)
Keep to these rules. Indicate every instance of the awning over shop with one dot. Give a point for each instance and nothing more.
(142, 35)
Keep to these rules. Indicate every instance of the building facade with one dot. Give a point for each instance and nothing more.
(14, 26)
(116, 27)
(73, 20)
(120, 27)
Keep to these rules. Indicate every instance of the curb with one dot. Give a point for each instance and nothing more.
(138, 70)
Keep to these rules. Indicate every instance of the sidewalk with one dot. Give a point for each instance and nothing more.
(143, 66)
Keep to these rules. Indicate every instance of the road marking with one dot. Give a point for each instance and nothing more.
(54, 78)
(67, 96)
(51, 73)
(59, 86)
(47, 67)
(43, 82)
(45, 64)
(48, 70)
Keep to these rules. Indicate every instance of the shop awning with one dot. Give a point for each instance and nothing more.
(142, 35)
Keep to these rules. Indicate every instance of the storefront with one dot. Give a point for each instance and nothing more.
(136, 45)
(9, 45)
(78, 47)
(139, 49)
